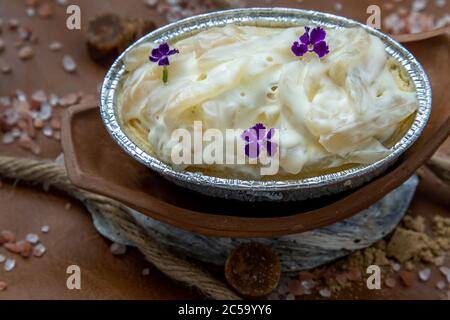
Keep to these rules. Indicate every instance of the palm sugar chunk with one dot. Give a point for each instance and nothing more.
(253, 270)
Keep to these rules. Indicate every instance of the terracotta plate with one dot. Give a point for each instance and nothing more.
(94, 162)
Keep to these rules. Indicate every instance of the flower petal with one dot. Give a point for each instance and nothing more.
(153, 59)
(156, 54)
(173, 51)
(164, 61)
(270, 133)
(252, 150)
(317, 34)
(321, 48)
(271, 147)
(260, 130)
(164, 48)
(299, 49)
(249, 135)
(305, 37)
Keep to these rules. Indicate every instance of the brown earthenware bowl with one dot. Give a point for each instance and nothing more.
(96, 163)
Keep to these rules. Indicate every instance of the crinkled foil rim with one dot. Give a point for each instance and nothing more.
(281, 17)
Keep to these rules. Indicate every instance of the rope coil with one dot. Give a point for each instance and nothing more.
(46, 172)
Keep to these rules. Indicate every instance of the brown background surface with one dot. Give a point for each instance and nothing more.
(72, 238)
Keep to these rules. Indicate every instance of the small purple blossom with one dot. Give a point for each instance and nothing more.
(162, 53)
(258, 137)
(311, 42)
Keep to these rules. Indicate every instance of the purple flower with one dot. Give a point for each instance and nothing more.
(258, 137)
(314, 42)
(162, 53)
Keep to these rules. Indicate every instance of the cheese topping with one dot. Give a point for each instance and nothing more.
(329, 112)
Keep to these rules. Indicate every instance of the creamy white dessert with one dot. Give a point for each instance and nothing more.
(341, 110)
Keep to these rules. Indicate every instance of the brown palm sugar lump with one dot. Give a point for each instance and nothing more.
(253, 270)
(109, 34)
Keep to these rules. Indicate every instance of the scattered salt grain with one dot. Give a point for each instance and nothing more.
(45, 229)
(6, 236)
(338, 6)
(396, 267)
(6, 69)
(46, 112)
(151, 3)
(440, 3)
(26, 53)
(45, 10)
(7, 138)
(425, 274)
(390, 282)
(419, 5)
(440, 285)
(2, 258)
(61, 2)
(145, 272)
(308, 284)
(30, 12)
(32, 238)
(39, 250)
(69, 64)
(9, 264)
(39, 96)
(3, 286)
(55, 46)
(68, 206)
(54, 101)
(47, 131)
(325, 293)
(444, 270)
(117, 249)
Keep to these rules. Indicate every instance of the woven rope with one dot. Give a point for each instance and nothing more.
(43, 172)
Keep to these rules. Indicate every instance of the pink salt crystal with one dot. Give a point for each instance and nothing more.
(39, 96)
(39, 250)
(295, 287)
(57, 135)
(444, 270)
(6, 236)
(117, 249)
(407, 277)
(55, 46)
(325, 293)
(69, 64)
(354, 274)
(3, 286)
(440, 285)
(27, 143)
(45, 10)
(9, 264)
(6, 69)
(424, 274)
(24, 248)
(390, 282)
(12, 247)
(32, 238)
(26, 53)
(38, 123)
(69, 100)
